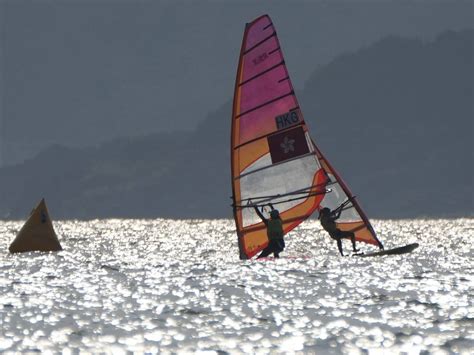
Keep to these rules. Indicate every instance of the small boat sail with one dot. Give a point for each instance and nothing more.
(37, 234)
(273, 158)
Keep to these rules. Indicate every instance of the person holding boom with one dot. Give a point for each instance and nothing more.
(328, 221)
(275, 233)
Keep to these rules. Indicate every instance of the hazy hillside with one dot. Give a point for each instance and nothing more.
(397, 121)
(394, 118)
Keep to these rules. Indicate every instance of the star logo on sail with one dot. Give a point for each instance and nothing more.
(288, 145)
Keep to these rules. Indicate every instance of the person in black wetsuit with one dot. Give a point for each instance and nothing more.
(275, 233)
(328, 221)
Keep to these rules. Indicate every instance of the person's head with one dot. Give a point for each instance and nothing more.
(324, 212)
(274, 214)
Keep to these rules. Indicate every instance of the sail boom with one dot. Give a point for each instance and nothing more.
(261, 204)
(260, 226)
(300, 191)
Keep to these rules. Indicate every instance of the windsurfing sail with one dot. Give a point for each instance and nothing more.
(352, 216)
(37, 234)
(273, 158)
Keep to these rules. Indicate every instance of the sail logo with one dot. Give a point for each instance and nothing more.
(286, 120)
(287, 145)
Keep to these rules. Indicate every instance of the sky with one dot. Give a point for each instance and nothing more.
(82, 72)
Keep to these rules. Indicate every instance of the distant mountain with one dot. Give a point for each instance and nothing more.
(395, 118)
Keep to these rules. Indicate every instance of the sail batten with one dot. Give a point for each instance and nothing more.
(266, 103)
(257, 138)
(260, 43)
(256, 76)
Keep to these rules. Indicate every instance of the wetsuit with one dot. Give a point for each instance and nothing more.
(328, 221)
(276, 243)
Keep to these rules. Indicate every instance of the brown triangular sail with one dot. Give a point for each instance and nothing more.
(37, 234)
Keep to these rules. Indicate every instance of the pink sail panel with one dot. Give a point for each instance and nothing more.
(256, 123)
(261, 58)
(257, 31)
(268, 86)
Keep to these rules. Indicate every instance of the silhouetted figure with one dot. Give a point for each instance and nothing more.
(274, 225)
(328, 221)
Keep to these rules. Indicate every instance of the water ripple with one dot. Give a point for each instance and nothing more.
(167, 286)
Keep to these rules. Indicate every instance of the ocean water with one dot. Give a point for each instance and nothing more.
(178, 287)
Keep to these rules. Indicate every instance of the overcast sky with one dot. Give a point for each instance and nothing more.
(81, 72)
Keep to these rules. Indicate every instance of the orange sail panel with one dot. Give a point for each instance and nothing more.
(273, 157)
(274, 160)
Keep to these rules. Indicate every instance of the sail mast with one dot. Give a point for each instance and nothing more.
(242, 254)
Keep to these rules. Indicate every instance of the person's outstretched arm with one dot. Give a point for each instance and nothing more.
(337, 212)
(262, 217)
(271, 206)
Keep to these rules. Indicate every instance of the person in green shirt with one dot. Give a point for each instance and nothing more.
(328, 221)
(275, 233)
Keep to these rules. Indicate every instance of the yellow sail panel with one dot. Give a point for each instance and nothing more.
(37, 234)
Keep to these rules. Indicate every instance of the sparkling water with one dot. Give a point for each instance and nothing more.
(178, 286)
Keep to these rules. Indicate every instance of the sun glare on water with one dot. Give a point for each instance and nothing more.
(178, 286)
